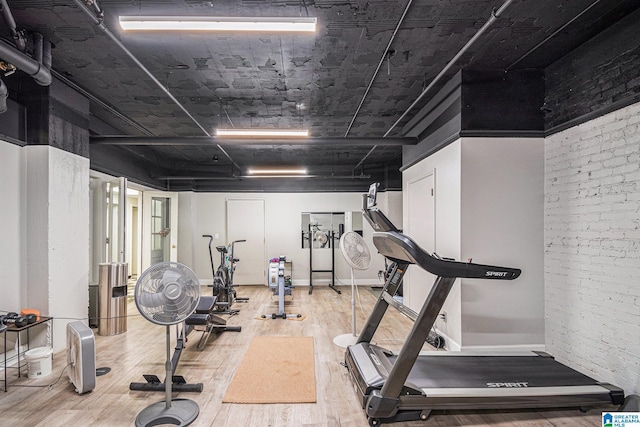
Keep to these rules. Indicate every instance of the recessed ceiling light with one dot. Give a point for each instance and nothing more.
(263, 133)
(211, 23)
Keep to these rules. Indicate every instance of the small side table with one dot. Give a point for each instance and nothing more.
(17, 331)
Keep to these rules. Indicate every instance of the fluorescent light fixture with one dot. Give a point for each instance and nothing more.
(297, 172)
(212, 23)
(278, 176)
(262, 133)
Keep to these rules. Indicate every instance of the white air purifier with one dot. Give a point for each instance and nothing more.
(81, 357)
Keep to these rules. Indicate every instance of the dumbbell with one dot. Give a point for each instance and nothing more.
(14, 319)
(29, 318)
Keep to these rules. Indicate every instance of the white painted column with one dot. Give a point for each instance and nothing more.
(57, 217)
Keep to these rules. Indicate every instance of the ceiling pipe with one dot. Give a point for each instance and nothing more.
(495, 14)
(98, 21)
(551, 35)
(208, 141)
(253, 177)
(39, 71)
(198, 178)
(375, 74)
(18, 36)
(101, 103)
(4, 93)
(42, 50)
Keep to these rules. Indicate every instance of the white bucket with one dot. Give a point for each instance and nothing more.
(39, 362)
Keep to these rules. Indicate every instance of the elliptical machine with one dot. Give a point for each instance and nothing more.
(223, 287)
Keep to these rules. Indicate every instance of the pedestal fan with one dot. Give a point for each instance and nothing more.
(356, 253)
(166, 294)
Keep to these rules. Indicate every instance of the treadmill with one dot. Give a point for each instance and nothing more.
(409, 385)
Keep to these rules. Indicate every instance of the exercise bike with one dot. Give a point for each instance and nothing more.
(223, 287)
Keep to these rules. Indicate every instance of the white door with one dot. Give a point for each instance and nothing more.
(246, 221)
(159, 227)
(421, 228)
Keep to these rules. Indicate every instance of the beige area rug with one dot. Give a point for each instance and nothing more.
(275, 370)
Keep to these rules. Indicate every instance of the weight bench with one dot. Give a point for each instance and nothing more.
(204, 316)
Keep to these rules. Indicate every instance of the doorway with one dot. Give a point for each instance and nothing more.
(160, 229)
(421, 227)
(246, 221)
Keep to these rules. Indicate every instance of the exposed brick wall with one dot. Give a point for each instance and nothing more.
(596, 76)
(592, 247)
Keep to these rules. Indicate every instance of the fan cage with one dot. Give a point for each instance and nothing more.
(355, 250)
(167, 293)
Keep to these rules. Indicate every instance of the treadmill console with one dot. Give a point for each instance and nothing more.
(372, 195)
(375, 217)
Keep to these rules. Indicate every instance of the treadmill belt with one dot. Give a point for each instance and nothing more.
(479, 371)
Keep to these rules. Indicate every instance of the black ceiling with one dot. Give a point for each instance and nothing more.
(317, 82)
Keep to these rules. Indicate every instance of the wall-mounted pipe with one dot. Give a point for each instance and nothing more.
(4, 93)
(40, 73)
(18, 37)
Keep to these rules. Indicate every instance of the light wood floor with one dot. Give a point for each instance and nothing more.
(141, 351)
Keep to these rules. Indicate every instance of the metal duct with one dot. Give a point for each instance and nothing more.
(4, 93)
(40, 73)
(18, 38)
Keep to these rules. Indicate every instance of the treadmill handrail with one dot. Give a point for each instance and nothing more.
(397, 246)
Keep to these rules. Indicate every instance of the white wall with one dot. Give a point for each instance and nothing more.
(44, 250)
(502, 203)
(592, 247)
(57, 237)
(12, 227)
(488, 207)
(205, 213)
(390, 202)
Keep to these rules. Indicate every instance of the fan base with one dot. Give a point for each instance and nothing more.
(345, 340)
(181, 413)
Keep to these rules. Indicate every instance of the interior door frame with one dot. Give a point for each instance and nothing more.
(116, 230)
(146, 226)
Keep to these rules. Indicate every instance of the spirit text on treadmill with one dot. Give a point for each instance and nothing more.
(509, 385)
(496, 274)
